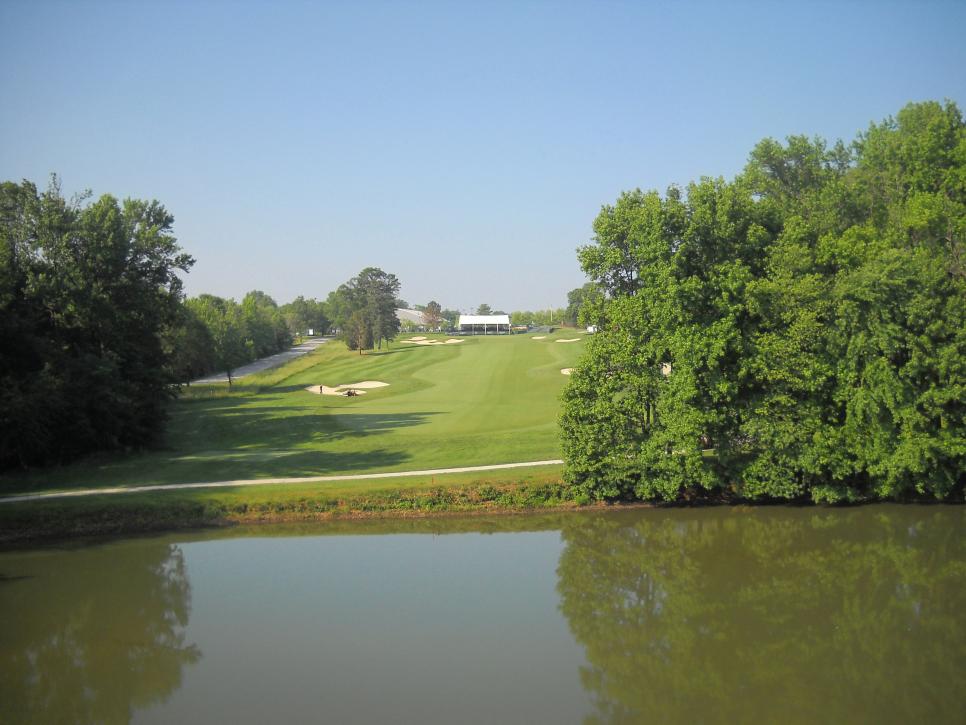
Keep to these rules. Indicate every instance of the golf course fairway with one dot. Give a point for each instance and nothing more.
(486, 400)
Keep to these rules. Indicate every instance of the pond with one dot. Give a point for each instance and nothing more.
(648, 615)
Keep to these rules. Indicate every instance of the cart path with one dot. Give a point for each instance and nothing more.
(270, 481)
(264, 363)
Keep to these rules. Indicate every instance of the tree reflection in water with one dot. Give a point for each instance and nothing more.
(770, 615)
(92, 635)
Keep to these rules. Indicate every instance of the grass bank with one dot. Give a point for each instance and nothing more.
(479, 493)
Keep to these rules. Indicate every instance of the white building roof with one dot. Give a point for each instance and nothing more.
(484, 320)
(414, 316)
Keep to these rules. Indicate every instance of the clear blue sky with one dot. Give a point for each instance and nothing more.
(466, 147)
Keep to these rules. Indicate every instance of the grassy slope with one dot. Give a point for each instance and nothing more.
(486, 400)
(494, 492)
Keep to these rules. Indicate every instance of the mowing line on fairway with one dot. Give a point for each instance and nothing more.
(269, 481)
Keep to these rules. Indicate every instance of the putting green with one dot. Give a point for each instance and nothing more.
(487, 400)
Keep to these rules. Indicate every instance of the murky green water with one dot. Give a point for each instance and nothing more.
(715, 615)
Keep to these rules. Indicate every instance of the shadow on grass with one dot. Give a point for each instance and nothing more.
(228, 465)
(287, 388)
(207, 465)
(276, 427)
(395, 350)
(237, 443)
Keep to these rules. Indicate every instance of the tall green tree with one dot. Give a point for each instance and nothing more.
(87, 290)
(582, 304)
(796, 332)
(358, 332)
(190, 346)
(265, 324)
(226, 324)
(433, 315)
(369, 300)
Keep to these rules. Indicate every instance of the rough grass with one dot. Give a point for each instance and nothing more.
(540, 489)
(487, 400)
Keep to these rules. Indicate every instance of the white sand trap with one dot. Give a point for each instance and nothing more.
(358, 388)
(540, 337)
(453, 340)
(566, 371)
(326, 390)
(414, 339)
(571, 339)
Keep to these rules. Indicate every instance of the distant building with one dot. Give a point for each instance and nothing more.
(413, 316)
(485, 324)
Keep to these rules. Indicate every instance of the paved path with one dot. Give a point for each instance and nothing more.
(265, 363)
(270, 481)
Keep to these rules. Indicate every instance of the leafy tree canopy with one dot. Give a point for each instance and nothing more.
(302, 315)
(799, 331)
(538, 317)
(582, 305)
(87, 293)
(433, 314)
(364, 308)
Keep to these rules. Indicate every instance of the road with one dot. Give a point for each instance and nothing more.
(271, 481)
(265, 363)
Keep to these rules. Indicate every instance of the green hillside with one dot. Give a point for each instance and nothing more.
(485, 400)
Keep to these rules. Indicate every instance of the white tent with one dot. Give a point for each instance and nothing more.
(485, 324)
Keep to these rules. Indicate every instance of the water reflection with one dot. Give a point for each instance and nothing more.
(714, 615)
(769, 615)
(94, 634)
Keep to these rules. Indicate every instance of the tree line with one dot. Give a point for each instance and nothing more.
(215, 334)
(798, 332)
(364, 309)
(96, 336)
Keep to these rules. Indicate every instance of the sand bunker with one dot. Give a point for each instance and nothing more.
(357, 388)
(424, 341)
(571, 339)
(539, 337)
(566, 371)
